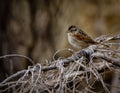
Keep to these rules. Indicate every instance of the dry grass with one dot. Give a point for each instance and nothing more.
(76, 74)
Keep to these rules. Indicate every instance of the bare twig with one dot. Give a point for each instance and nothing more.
(114, 61)
(17, 55)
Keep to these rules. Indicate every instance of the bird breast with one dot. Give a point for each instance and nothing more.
(79, 44)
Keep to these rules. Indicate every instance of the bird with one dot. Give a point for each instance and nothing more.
(78, 38)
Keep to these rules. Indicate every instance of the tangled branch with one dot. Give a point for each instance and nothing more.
(77, 73)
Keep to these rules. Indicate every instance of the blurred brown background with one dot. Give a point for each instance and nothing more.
(36, 28)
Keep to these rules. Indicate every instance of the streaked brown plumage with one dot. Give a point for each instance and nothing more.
(78, 38)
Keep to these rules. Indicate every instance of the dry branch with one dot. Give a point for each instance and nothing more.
(77, 73)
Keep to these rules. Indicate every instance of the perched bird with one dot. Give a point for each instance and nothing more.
(78, 38)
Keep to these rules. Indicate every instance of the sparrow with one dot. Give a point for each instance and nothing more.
(78, 38)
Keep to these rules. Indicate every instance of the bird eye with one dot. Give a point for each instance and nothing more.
(73, 29)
